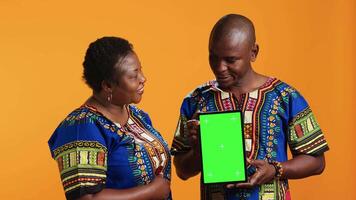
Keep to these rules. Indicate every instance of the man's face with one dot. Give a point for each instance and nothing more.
(230, 59)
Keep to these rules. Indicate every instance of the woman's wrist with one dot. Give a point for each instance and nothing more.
(148, 191)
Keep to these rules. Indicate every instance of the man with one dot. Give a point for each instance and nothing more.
(275, 115)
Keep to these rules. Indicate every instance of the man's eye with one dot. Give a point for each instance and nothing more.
(231, 60)
(212, 57)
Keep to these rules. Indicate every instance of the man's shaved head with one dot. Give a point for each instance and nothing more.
(233, 27)
(232, 48)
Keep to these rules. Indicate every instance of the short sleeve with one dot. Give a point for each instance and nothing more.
(304, 133)
(180, 142)
(81, 155)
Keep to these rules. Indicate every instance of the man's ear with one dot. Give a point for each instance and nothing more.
(254, 52)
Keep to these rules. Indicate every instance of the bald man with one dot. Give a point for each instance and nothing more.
(275, 115)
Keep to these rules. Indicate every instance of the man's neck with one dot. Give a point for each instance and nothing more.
(250, 82)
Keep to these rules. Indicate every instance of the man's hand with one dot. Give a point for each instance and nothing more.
(264, 173)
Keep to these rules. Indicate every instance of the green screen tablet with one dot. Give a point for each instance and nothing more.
(222, 147)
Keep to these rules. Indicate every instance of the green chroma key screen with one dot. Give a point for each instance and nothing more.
(222, 147)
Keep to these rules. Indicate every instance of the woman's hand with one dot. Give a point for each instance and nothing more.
(264, 173)
(160, 188)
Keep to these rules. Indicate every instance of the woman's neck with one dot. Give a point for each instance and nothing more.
(116, 113)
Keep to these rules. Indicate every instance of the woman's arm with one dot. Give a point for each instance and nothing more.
(159, 189)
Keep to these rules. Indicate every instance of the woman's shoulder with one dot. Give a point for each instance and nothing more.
(140, 114)
(82, 124)
(83, 114)
(86, 117)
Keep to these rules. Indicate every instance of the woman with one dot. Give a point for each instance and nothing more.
(107, 148)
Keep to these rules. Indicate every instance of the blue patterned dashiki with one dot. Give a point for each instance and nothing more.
(275, 116)
(94, 153)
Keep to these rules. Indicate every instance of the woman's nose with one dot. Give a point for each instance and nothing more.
(142, 78)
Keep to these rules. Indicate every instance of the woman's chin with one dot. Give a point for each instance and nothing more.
(137, 100)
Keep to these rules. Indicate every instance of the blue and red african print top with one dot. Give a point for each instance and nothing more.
(275, 116)
(94, 153)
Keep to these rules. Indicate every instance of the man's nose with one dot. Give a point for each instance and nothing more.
(221, 65)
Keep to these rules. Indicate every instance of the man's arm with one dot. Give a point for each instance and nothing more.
(302, 166)
(188, 164)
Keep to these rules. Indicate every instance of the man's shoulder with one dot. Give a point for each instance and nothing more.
(283, 91)
(282, 86)
(203, 88)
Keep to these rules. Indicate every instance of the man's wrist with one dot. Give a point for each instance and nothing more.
(279, 170)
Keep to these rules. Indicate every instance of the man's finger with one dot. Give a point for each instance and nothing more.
(196, 115)
(193, 123)
(257, 163)
(248, 160)
(194, 137)
(244, 185)
(255, 179)
(239, 185)
(192, 132)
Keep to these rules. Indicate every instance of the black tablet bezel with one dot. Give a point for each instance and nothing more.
(243, 146)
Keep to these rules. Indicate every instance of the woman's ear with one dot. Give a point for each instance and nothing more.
(254, 52)
(106, 86)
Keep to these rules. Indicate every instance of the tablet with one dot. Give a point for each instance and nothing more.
(222, 147)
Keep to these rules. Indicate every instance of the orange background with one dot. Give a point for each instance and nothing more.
(308, 44)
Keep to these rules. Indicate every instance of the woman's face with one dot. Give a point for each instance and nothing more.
(130, 81)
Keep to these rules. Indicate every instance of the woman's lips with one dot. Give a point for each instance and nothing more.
(141, 90)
